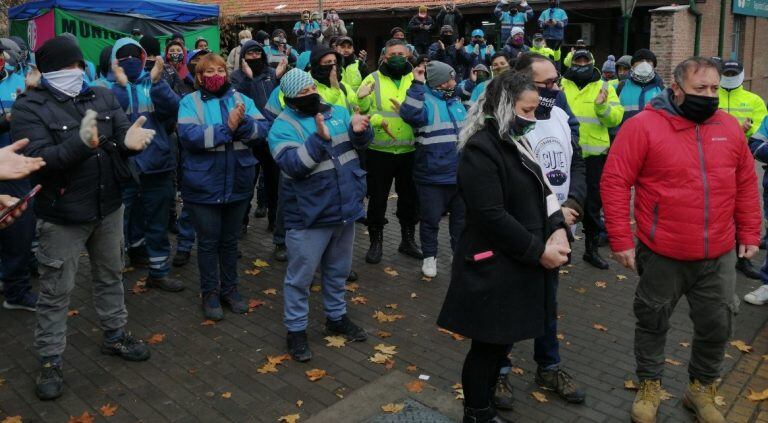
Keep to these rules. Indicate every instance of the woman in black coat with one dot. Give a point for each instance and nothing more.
(514, 240)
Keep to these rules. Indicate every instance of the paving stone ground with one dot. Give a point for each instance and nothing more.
(195, 365)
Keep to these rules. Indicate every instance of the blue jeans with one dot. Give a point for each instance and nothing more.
(217, 227)
(16, 248)
(546, 348)
(330, 248)
(154, 197)
(186, 237)
(434, 201)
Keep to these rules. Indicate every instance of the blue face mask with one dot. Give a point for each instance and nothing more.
(132, 67)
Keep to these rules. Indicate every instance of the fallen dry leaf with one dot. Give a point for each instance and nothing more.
(453, 335)
(379, 358)
(757, 396)
(426, 279)
(601, 284)
(291, 418)
(252, 272)
(392, 408)
(720, 401)
(156, 339)
(383, 334)
(226, 395)
(664, 395)
(560, 316)
(139, 287)
(727, 356)
(335, 341)
(392, 306)
(414, 296)
(459, 391)
(267, 368)
(278, 359)
(600, 327)
(411, 369)
(415, 386)
(764, 357)
(352, 287)
(253, 304)
(315, 374)
(359, 300)
(270, 291)
(538, 396)
(563, 272)
(260, 263)
(560, 336)
(516, 370)
(672, 362)
(12, 419)
(741, 346)
(581, 290)
(386, 349)
(620, 277)
(128, 270)
(386, 318)
(299, 403)
(391, 272)
(83, 418)
(72, 313)
(389, 364)
(630, 385)
(207, 323)
(685, 344)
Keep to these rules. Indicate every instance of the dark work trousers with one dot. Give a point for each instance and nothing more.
(480, 373)
(270, 172)
(592, 208)
(434, 201)
(709, 287)
(382, 169)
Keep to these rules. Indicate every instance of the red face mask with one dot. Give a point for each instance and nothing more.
(214, 84)
(2, 63)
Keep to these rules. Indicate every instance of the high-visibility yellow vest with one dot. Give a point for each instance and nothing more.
(381, 109)
(743, 104)
(594, 119)
(351, 76)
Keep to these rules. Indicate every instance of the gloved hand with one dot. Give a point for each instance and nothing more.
(89, 133)
(138, 138)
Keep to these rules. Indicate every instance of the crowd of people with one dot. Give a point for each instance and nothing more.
(516, 144)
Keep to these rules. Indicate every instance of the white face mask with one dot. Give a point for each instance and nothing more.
(643, 70)
(67, 81)
(732, 82)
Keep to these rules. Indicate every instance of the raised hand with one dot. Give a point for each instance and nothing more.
(395, 105)
(281, 67)
(246, 69)
(236, 116)
(322, 130)
(362, 55)
(418, 75)
(602, 96)
(360, 123)
(459, 44)
(89, 133)
(137, 138)
(366, 89)
(334, 78)
(119, 74)
(157, 71)
(15, 166)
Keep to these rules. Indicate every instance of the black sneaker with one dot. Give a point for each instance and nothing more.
(280, 253)
(298, 346)
(235, 302)
(165, 283)
(352, 276)
(345, 328)
(559, 381)
(212, 307)
(260, 212)
(50, 381)
(181, 258)
(502, 394)
(128, 348)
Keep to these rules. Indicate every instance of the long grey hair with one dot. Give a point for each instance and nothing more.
(497, 102)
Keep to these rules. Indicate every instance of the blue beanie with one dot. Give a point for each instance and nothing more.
(294, 81)
(610, 65)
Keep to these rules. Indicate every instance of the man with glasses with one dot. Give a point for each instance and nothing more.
(555, 144)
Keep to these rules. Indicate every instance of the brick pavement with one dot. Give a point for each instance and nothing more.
(194, 365)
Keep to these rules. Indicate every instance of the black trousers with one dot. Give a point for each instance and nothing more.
(382, 169)
(480, 372)
(271, 173)
(594, 165)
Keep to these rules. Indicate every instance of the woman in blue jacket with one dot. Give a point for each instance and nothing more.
(217, 128)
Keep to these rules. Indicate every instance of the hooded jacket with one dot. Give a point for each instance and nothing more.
(695, 184)
(260, 87)
(159, 104)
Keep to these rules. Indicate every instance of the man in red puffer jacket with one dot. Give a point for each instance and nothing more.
(695, 193)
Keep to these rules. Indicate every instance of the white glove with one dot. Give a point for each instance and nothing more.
(88, 131)
(138, 138)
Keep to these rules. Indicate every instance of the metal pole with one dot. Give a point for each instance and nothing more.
(320, 8)
(627, 20)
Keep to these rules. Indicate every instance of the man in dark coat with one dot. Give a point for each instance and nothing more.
(420, 28)
(84, 136)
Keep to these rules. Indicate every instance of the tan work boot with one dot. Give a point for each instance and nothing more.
(646, 401)
(701, 400)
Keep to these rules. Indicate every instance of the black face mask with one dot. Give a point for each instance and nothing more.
(581, 73)
(322, 74)
(546, 103)
(698, 108)
(148, 65)
(308, 104)
(521, 126)
(447, 39)
(256, 65)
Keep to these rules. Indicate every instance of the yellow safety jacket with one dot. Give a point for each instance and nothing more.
(743, 104)
(381, 109)
(594, 119)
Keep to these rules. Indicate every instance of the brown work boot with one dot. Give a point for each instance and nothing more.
(701, 400)
(646, 401)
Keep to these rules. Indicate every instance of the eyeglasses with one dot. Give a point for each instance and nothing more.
(549, 83)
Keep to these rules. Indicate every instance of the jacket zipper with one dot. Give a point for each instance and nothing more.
(655, 220)
(702, 165)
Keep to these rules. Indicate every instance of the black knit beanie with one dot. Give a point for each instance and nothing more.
(58, 53)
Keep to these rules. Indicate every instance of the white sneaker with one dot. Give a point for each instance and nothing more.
(758, 296)
(429, 267)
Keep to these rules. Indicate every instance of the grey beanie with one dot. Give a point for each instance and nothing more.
(438, 73)
(625, 61)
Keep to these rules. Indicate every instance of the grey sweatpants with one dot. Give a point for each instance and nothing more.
(709, 287)
(60, 248)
